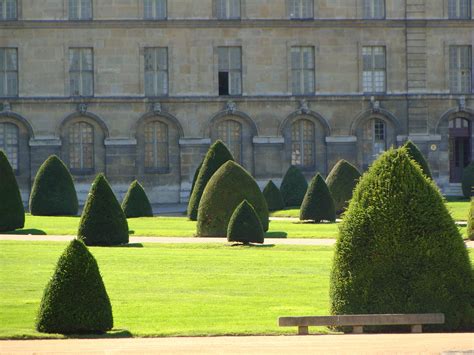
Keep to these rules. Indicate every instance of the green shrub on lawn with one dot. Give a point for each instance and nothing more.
(341, 181)
(399, 250)
(12, 212)
(75, 300)
(273, 197)
(103, 222)
(468, 180)
(196, 174)
(244, 225)
(136, 203)
(318, 204)
(293, 187)
(53, 192)
(217, 155)
(470, 221)
(227, 188)
(418, 156)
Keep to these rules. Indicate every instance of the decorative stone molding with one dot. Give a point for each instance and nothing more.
(119, 141)
(82, 108)
(303, 108)
(462, 104)
(156, 108)
(194, 141)
(45, 142)
(7, 107)
(268, 140)
(374, 105)
(341, 139)
(230, 107)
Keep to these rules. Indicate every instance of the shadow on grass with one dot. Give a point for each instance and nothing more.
(251, 245)
(116, 333)
(131, 232)
(129, 245)
(27, 232)
(276, 235)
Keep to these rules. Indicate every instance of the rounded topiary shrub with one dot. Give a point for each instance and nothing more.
(468, 181)
(318, 204)
(135, 203)
(228, 187)
(12, 212)
(293, 187)
(75, 300)
(470, 221)
(244, 225)
(418, 156)
(196, 174)
(53, 192)
(399, 250)
(273, 197)
(341, 181)
(103, 222)
(217, 155)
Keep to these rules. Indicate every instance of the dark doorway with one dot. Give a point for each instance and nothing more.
(459, 148)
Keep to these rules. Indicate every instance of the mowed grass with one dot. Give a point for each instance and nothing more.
(166, 290)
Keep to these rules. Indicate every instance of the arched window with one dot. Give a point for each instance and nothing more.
(81, 147)
(156, 146)
(302, 143)
(376, 134)
(9, 143)
(230, 132)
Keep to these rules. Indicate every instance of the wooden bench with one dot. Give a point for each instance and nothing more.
(357, 322)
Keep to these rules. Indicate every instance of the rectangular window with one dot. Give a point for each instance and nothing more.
(460, 69)
(81, 72)
(227, 9)
(80, 9)
(8, 10)
(8, 72)
(374, 75)
(156, 71)
(301, 9)
(459, 9)
(230, 71)
(374, 9)
(155, 9)
(302, 70)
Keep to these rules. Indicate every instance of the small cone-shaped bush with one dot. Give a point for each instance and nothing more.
(53, 192)
(103, 222)
(217, 155)
(399, 250)
(293, 187)
(470, 221)
(273, 197)
(75, 300)
(468, 181)
(244, 225)
(135, 203)
(418, 156)
(341, 182)
(196, 174)
(318, 204)
(12, 212)
(228, 187)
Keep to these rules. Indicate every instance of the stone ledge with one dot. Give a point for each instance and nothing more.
(119, 141)
(268, 140)
(425, 138)
(341, 139)
(45, 141)
(195, 141)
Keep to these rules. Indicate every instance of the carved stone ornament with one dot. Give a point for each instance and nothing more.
(6, 106)
(375, 105)
(230, 107)
(304, 107)
(156, 108)
(82, 108)
(462, 104)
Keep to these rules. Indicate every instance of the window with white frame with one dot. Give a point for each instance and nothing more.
(155, 9)
(81, 72)
(303, 143)
(156, 146)
(81, 147)
(374, 9)
(459, 9)
(374, 75)
(379, 137)
(8, 10)
(227, 9)
(460, 69)
(9, 143)
(301, 9)
(8, 72)
(230, 132)
(156, 71)
(230, 71)
(302, 70)
(80, 9)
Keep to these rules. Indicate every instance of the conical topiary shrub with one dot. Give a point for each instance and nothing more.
(196, 174)
(470, 221)
(318, 204)
(228, 187)
(273, 197)
(135, 203)
(244, 225)
(418, 156)
(399, 250)
(75, 300)
(468, 181)
(217, 155)
(12, 212)
(103, 222)
(293, 187)
(341, 182)
(53, 192)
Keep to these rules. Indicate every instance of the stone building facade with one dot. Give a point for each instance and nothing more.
(139, 89)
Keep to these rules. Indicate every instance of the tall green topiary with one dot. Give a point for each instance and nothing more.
(196, 174)
(318, 204)
(293, 187)
(244, 225)
(399, 250)
(12, 212)
(418, 156)
(135, 203)
(75, 300)
(53, 192)
(468, 180)
(341, 182)
(273, 197)
(217, 155)
(227, 188)
(103, 222)
(470, 221)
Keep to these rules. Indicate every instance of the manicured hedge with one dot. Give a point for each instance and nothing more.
(470, 221)
(418, 157)
(135, 203)
(318, 204)
(293, 187)
(341, 182)
(196, 174)
(273, 197)
(244, 225)
(468, 181)
(12, 212)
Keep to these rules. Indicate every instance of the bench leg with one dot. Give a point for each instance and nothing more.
(418, 328)
(357, 329)
(303, 330)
